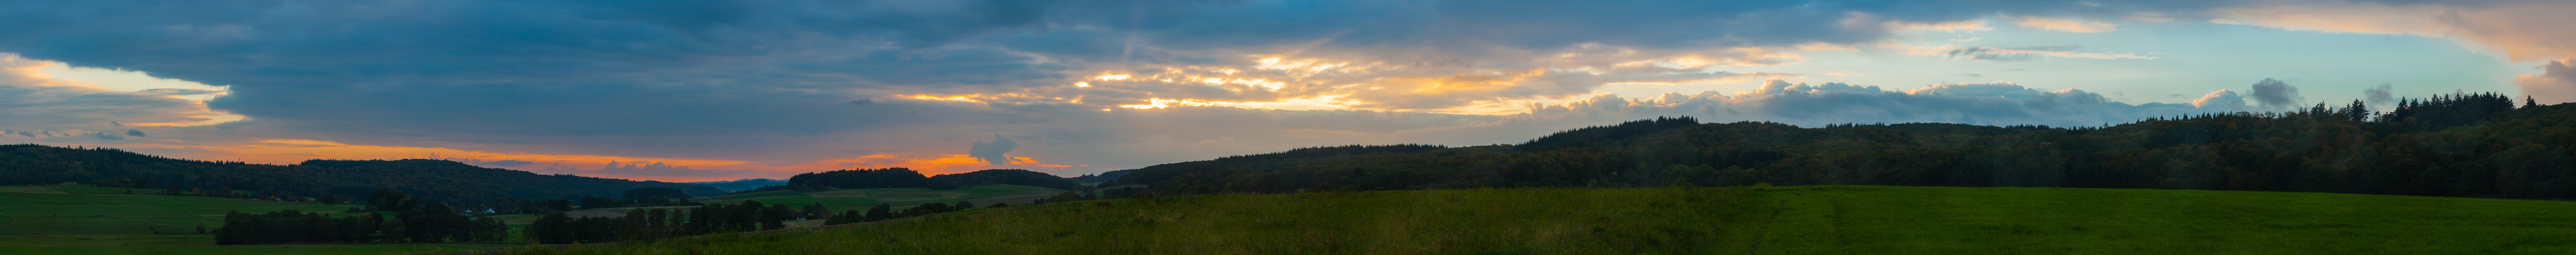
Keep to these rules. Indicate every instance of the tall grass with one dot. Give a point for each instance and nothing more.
(1483, 221)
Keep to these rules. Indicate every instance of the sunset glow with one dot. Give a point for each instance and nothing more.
(732, 90)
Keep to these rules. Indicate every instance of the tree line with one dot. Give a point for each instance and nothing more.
(459, 184)
(2463, 145)
(659, 223)
(417, 222)
(907, 178)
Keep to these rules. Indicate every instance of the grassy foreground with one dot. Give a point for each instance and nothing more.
(58, 219)
(1781, 220)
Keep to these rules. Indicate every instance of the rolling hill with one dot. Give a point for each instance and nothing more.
(2462, 145)
(740, 185)
(437, 180)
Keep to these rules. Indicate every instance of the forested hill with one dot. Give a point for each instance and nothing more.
(907, 178)
(436, 180)
(2466, 145)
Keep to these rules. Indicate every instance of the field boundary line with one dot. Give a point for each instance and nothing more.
(165, 210)
(149, 222)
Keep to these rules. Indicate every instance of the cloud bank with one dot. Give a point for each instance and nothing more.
(1078, 86)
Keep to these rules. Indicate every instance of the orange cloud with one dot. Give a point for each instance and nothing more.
(2517, 32)
(2068, 25)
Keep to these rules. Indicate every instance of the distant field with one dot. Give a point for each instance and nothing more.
(188, 221)
(862, 199)
(210, 205)
(1783, 220)
(81, 210)
(30, 189)
(53, 199)
(102, 190)
(83, 226)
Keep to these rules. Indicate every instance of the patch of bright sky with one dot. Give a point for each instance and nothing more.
(2192, 59)
(122, 80)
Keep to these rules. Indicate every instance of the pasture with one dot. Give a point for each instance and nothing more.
(862, 199)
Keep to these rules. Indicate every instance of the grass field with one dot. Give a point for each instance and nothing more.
(83, 226)
(1779, 220)
(102, 190)
(204, 244)
(1938, 220)
(187, 221)
(54, 199)
(94, 220)
(80, 210)
(30, 189)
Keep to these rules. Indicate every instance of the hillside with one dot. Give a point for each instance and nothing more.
(2454, 145)
(860, 199)
(740, 185)
(437, 180)
(87, 219)
(1089, 179)
(1780, 220)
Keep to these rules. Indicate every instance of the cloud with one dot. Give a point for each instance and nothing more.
(991, 152)
(2001, 103)
(2512, 30)
(505, 163)
(2008, 54)
(2382, 95)
(134, 133)
(614, 168)
(2062, 24)
(2275, 94)
(2515, 30)
(2556, 82)
(2224, 100)
(795, 84)
(30, 99)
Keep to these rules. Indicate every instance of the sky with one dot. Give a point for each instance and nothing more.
(722, 90)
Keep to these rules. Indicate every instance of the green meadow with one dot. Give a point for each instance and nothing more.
(1770, 220)
(55, 219)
